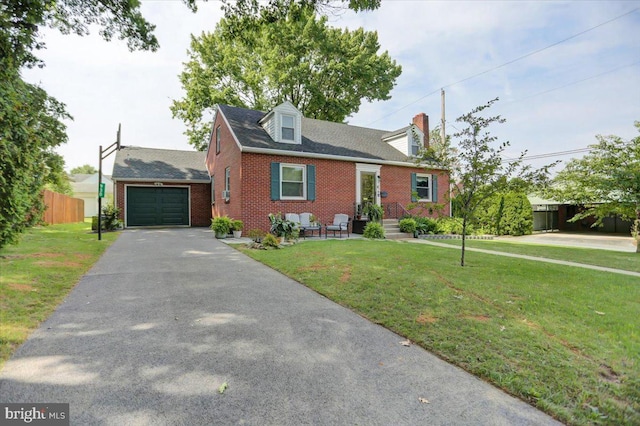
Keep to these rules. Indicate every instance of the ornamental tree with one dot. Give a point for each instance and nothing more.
(480, 168)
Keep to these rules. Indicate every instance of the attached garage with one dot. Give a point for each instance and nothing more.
(161, 187)
(157, 206)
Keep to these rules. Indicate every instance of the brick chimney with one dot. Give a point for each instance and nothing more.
(422, 122)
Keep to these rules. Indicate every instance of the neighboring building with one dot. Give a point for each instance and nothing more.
(162, 187)
(282, 162)
(278, 162)
(85, 187)
(549, 215)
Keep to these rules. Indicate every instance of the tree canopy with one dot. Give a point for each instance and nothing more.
(84, 169)
(325, 72)
(606, 181)
(31, 121)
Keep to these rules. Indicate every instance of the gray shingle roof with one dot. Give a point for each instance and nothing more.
(318, 137)
(162, 164)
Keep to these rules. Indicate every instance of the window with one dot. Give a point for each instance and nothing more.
(292, 181)
(424, 187)
(423, 184)
(288, 132)
(213, 190)
(218, 140)
(414, 147)
(227, 179)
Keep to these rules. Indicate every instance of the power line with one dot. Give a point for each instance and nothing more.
(548, 155)
(571, 83)
(542, 49)
(508, 63)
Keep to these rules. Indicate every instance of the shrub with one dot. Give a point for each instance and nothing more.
(517, 215)
(221, 225)
(237, 225)
(426, 225)
(111, 221)
(451, 225)
(270, 241)
(506, 214)
(408, 224)
(281, 227)
(257, 235)
(373, 230)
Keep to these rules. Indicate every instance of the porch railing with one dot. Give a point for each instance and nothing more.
(394, 211)
(391, 210)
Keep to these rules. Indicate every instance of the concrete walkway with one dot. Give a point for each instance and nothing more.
(166, 317)
(523, 256)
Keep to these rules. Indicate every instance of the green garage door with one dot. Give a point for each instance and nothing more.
(157, 206)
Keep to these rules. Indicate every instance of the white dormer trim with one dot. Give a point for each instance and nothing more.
(279, 117)
(406, 140)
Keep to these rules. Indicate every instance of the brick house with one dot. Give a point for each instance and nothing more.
(161, 187)
(280, 161)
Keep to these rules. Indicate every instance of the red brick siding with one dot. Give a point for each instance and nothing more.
(335, 190)
(200, 194)
(250, 186)
(396, 181)
(229, 156)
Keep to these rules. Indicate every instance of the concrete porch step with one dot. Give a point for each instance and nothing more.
(392, 230)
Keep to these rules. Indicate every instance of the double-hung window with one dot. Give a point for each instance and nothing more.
(288, 127)
(227, 179)
(293, 182)
(218, 140)
(423, 187)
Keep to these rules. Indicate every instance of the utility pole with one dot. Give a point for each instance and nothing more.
(442, 122)
(101, 187)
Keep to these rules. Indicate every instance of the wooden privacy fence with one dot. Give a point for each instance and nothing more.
(62, 208)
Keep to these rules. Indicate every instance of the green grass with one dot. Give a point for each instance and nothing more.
(38, 273)
(608, 258)
(564, 339)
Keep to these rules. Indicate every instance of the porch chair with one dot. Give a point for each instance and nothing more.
(307, 226)
(293, 217)
(340, 224)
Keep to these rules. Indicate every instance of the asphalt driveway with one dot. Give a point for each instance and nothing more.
(167, 316)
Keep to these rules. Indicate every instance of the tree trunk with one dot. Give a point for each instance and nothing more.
(464, 235)
(636, 229)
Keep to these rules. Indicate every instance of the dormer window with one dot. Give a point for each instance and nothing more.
(415, 147)
(283, 123)
(288, 127)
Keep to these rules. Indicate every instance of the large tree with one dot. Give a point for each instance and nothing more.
(31, 128)
(606, 181)
(480, 168)
(325, 72)
(31, 121)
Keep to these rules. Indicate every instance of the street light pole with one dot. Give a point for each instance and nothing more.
(101, 189)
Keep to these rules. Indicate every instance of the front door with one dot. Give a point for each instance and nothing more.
(367, 184)
(367, 188)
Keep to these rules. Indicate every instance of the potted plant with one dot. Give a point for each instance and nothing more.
(221, 226)
(373, 212)
(236, 227)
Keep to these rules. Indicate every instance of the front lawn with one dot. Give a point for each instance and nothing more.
(607, 258)
(564, 339)
(38, 273)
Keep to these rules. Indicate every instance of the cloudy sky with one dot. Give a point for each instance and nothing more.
(564, 72)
